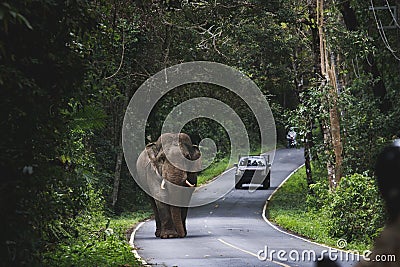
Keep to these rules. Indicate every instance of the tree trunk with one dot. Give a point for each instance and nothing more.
(117, 176)
(307, 156)
(120, 154)
(332, 137)
(324, 84)
(334, 117)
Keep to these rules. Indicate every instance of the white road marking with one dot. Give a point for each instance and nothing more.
(250, 253)
(132, 244)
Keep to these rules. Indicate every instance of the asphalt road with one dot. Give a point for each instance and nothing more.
(232, 232)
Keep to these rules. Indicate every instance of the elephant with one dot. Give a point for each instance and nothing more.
(162, 177)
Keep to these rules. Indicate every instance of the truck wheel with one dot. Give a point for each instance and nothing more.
(238, 184)
(267, 181)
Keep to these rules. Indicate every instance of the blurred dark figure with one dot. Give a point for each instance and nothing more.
(388, 174)
(386, 251)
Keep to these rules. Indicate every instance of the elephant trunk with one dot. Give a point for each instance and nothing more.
(173, 175)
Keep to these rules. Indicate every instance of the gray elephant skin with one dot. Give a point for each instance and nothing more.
(163, 181)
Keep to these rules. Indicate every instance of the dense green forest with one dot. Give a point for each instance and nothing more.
(69, 68)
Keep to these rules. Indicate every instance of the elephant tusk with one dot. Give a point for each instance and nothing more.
(163, 184)
(189, 184)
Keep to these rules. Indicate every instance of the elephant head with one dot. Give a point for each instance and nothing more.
(175, 159)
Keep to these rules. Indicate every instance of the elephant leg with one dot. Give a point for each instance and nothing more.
(184, 211)
(156, 217)
(176, 214)
(164, 225)
(167, 226)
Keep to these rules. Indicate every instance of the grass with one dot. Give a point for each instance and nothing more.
(215, 169)
(125, 223)
(107, 246)
(288, 209)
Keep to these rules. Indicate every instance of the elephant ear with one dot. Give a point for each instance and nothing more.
(155, 153)
(152, 152)
(195, 153)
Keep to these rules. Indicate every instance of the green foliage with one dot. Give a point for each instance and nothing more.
(356, 210)
(86, 118)
(309, 112)
(48, 171)
(366, 127)
(10, 14)
(368, 95)
(319, 196)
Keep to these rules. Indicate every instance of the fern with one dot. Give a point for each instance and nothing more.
(88, 118)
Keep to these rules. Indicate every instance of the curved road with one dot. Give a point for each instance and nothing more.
(232, 232)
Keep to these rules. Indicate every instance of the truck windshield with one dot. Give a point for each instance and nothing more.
(251, 162)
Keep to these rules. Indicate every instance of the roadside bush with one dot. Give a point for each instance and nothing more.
(356, 209)
(319, 195)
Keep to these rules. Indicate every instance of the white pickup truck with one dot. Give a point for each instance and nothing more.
(253, 170)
